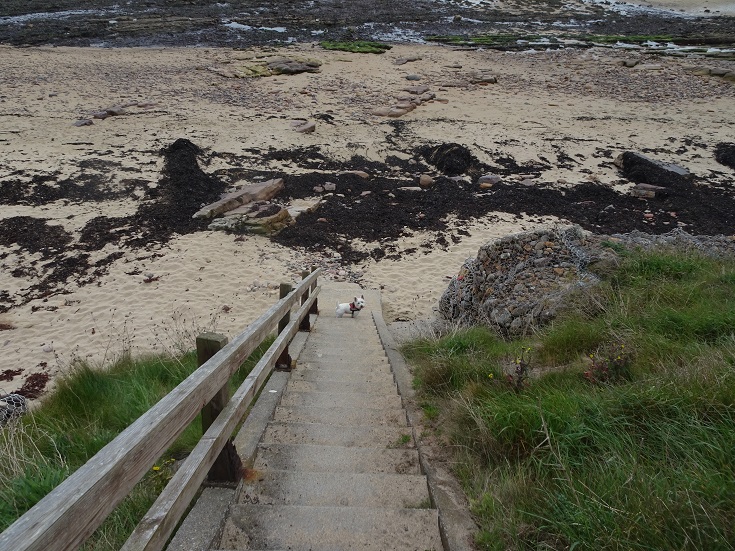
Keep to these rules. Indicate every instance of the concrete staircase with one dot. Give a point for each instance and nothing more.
(337, 467)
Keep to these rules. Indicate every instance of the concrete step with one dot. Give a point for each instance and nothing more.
(335, 489)
(341, 416)
(341, 400)
(340, 435)
(336, 376)
(365, 387)
(346, 357)
(304, 528)
(344, 366)
(338, 459)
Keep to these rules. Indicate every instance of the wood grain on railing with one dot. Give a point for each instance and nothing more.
(69, 514)
(161, 519)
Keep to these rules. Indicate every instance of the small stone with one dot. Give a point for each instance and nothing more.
(365, 193)
(306, 128)
(83, 122)
(486, 185)
(318, 189)
(48, 348)
(489, 179)
(330, 186)
(426, 181)
(559, 271)
(413, 77)
(322, 220)
(527, 182)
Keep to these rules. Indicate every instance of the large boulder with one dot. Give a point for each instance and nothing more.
(639, 168)
(520, 281)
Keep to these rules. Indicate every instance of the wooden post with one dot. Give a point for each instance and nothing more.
(284, 360)
(305, 324)
(227, 467)
(314, 307)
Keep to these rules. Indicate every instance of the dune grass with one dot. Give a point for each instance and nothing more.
(85, 411)
(614, 428)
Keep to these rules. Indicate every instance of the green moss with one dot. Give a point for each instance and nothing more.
(357, 46)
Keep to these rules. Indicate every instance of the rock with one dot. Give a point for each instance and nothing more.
(639, 168)
(486, 185)
(102, 115)
(361, 173)
(318, 189)
(717, 72)
(725, 154)
(12, 406)
(647, 191)
(322, 220)
(263, 191)
(330, 186)
(411, 188)
(48, 348)
(426, 181)
(416, 90)
(701, 71)
(255, 221)
(729, 76)
(483, 78)
(527, 182)
(306, 128)
(630, 63)
(413, 77)
(489, 179)
(404, 60)
(649, 67)
(394, 112)
(83, 122)
(299, 206)
(116, 111)
(288, 66)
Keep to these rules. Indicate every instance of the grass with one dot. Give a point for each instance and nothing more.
(357, 46)
(85, 411)
(623, 435)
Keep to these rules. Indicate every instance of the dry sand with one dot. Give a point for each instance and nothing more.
(580, 102)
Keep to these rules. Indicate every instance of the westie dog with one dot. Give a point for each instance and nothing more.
(352, 308)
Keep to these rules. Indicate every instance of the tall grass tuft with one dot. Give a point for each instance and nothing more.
(86, 410)
(623, 437)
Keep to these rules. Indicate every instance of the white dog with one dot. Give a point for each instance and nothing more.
(352, 308)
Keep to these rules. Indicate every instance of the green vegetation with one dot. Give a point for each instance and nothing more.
(357, 46)
(614, 428)
(84, 412)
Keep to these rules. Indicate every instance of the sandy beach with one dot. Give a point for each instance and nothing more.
(569, 111)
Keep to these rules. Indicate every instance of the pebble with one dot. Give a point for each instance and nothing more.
(413, 77)
(426, 181)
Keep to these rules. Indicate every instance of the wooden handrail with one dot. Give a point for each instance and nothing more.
(69, 514)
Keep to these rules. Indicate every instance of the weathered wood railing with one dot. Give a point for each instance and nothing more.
(69, 514)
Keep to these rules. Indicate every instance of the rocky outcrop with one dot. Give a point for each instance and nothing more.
(520, 280)
(523, 280)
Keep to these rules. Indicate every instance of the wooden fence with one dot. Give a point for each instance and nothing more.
(69, 514)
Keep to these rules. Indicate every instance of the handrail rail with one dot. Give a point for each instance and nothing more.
(90, 494)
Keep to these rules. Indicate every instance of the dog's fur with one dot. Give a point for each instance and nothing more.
(353, 308)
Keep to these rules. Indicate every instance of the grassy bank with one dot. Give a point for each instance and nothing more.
(85, 411)
(614, 428)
